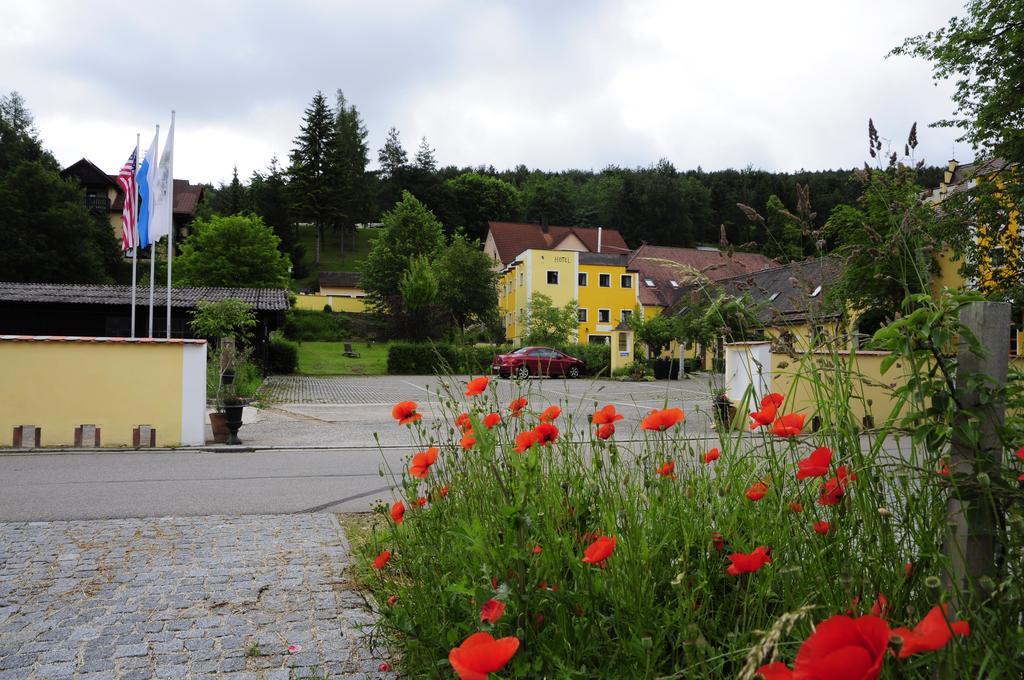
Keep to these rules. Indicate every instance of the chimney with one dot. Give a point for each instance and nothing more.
(544, 223)
(599, 239)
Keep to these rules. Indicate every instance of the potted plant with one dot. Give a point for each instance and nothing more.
(724, 410)
(233, 404)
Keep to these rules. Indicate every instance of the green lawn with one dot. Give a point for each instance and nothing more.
(331, 257)
(326, 358)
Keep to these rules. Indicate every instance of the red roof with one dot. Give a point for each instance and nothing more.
(512, 238)
(661, 265)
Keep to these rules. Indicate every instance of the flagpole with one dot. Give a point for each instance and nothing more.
(170, 233)
(152, 244)
(135, 227)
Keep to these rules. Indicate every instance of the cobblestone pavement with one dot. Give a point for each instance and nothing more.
(197, 597)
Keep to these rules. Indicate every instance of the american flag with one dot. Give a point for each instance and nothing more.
(126, 180)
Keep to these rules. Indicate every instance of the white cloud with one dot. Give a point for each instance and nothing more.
(551, 85)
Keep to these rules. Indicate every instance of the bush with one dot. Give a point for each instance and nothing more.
(282, 356)
(414, 358)
(665, 368)
(635, 370)
(597, 357)
(304, 324)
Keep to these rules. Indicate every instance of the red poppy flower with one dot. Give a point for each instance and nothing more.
(517, 406)
(789, 425)
(718, 541)
(663, 419)
(492, 611)
(405, 412)
(763, 417)
(537, 549)
(772, 400)
(795, 507)
(546, 433)
(843, 647)
(384, 667)
(477, 386)
(944, 470)
(757, 491)
(600, 550)
(393, 600)
(605, 431)
(481, 654)
(524, 440)
(550, 413)
(774, 671)
(382, 559)
(933, 632)
(422, 461)
(880, 607)
(606, 416)
(711, 455)
(421, 501)
(908, 569)
(491, 419)
(667, 470)
(834, 489)
(822, 528)
(746, 563)
(468, 440)
(443, 491)
(816, 464)
(398, 512)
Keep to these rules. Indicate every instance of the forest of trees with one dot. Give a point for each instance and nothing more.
(328, 184)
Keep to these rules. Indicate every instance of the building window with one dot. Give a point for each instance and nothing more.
(552, 277)
(604, 316)
(520, 279)
(1014, 346)
(673, 283)
(623, 342)
(582, 279)
(627, 314)
(649, 283)
(583, 314)
(605, 280)
(597, 339)
(626, 281)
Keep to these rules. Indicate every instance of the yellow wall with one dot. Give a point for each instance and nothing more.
(615, 298)
(115, 386)
(337, 303)
(540, 262)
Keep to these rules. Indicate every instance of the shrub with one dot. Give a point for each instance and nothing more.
(282, 356)
(635, 370)
(304, 324)
(413, 358)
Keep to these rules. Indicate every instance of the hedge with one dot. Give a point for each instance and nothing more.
(282, 357)
(411, 358)
(597, 357)
(305, 324)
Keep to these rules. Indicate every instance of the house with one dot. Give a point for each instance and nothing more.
(506, 240)
(340, 291)
(90, 310)
(103, 195)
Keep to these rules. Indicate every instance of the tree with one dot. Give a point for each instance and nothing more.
(425, 157)
(48, 235)
(348, 168)
(269, 196)
(224, 318)
(656, 334)
(418, 288)
(312, 187)
(478, 198)
(886, 241)
(392, 157)
(470, 290)
(19, 139)
(984, 53)
(236, 251)
(547, 324)
(409, 229)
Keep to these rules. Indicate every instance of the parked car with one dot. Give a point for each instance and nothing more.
(527, 361)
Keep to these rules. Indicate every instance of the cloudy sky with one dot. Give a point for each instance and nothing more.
(777, 85)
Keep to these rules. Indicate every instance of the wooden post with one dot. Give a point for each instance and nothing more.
(970, 542)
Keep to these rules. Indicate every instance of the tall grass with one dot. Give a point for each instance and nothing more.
(663, 605)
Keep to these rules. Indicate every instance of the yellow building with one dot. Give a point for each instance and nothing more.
(601, 285)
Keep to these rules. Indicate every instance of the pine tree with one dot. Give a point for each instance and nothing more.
(392, 156)
(425, 157)
(312, 188)
(349, 168)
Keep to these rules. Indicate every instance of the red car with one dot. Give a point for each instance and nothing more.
(527, 361)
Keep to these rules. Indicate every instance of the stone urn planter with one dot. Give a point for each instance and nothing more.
(233, 419)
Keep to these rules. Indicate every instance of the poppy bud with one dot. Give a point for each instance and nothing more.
(896, 642)
(646, 642)
(984, 479)
(933, 582)
(885, 512)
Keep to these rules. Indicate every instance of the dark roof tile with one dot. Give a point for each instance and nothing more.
(262, 299)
